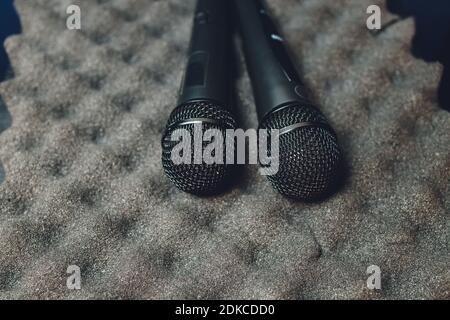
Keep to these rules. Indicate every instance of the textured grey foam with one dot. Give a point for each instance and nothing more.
(84, 183)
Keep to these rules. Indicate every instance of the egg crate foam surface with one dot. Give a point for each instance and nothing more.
(84, 183)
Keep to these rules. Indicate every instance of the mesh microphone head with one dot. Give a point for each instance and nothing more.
(309, 154)
(200, 179)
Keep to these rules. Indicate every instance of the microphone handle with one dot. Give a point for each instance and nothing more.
(207, 74)
(275, 80)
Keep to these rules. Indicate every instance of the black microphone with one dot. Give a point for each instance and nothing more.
(204, 99)
(309, 154)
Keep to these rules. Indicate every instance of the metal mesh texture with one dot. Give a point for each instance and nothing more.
(309, 156)
(200, 179)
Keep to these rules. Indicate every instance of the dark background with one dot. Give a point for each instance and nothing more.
(9, 24)
(432, 38)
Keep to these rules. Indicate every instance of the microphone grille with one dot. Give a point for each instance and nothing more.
(200, 179)
(309, 155)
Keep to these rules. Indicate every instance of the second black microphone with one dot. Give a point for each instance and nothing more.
(309, 156)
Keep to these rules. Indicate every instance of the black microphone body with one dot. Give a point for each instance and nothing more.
(309, 155)
(207, 74)
(204, 97)
(274, 77)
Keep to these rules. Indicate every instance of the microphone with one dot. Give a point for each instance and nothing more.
(309, 153)
(204, 99)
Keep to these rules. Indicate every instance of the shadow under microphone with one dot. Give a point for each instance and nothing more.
(309, 155)
(205, 100)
